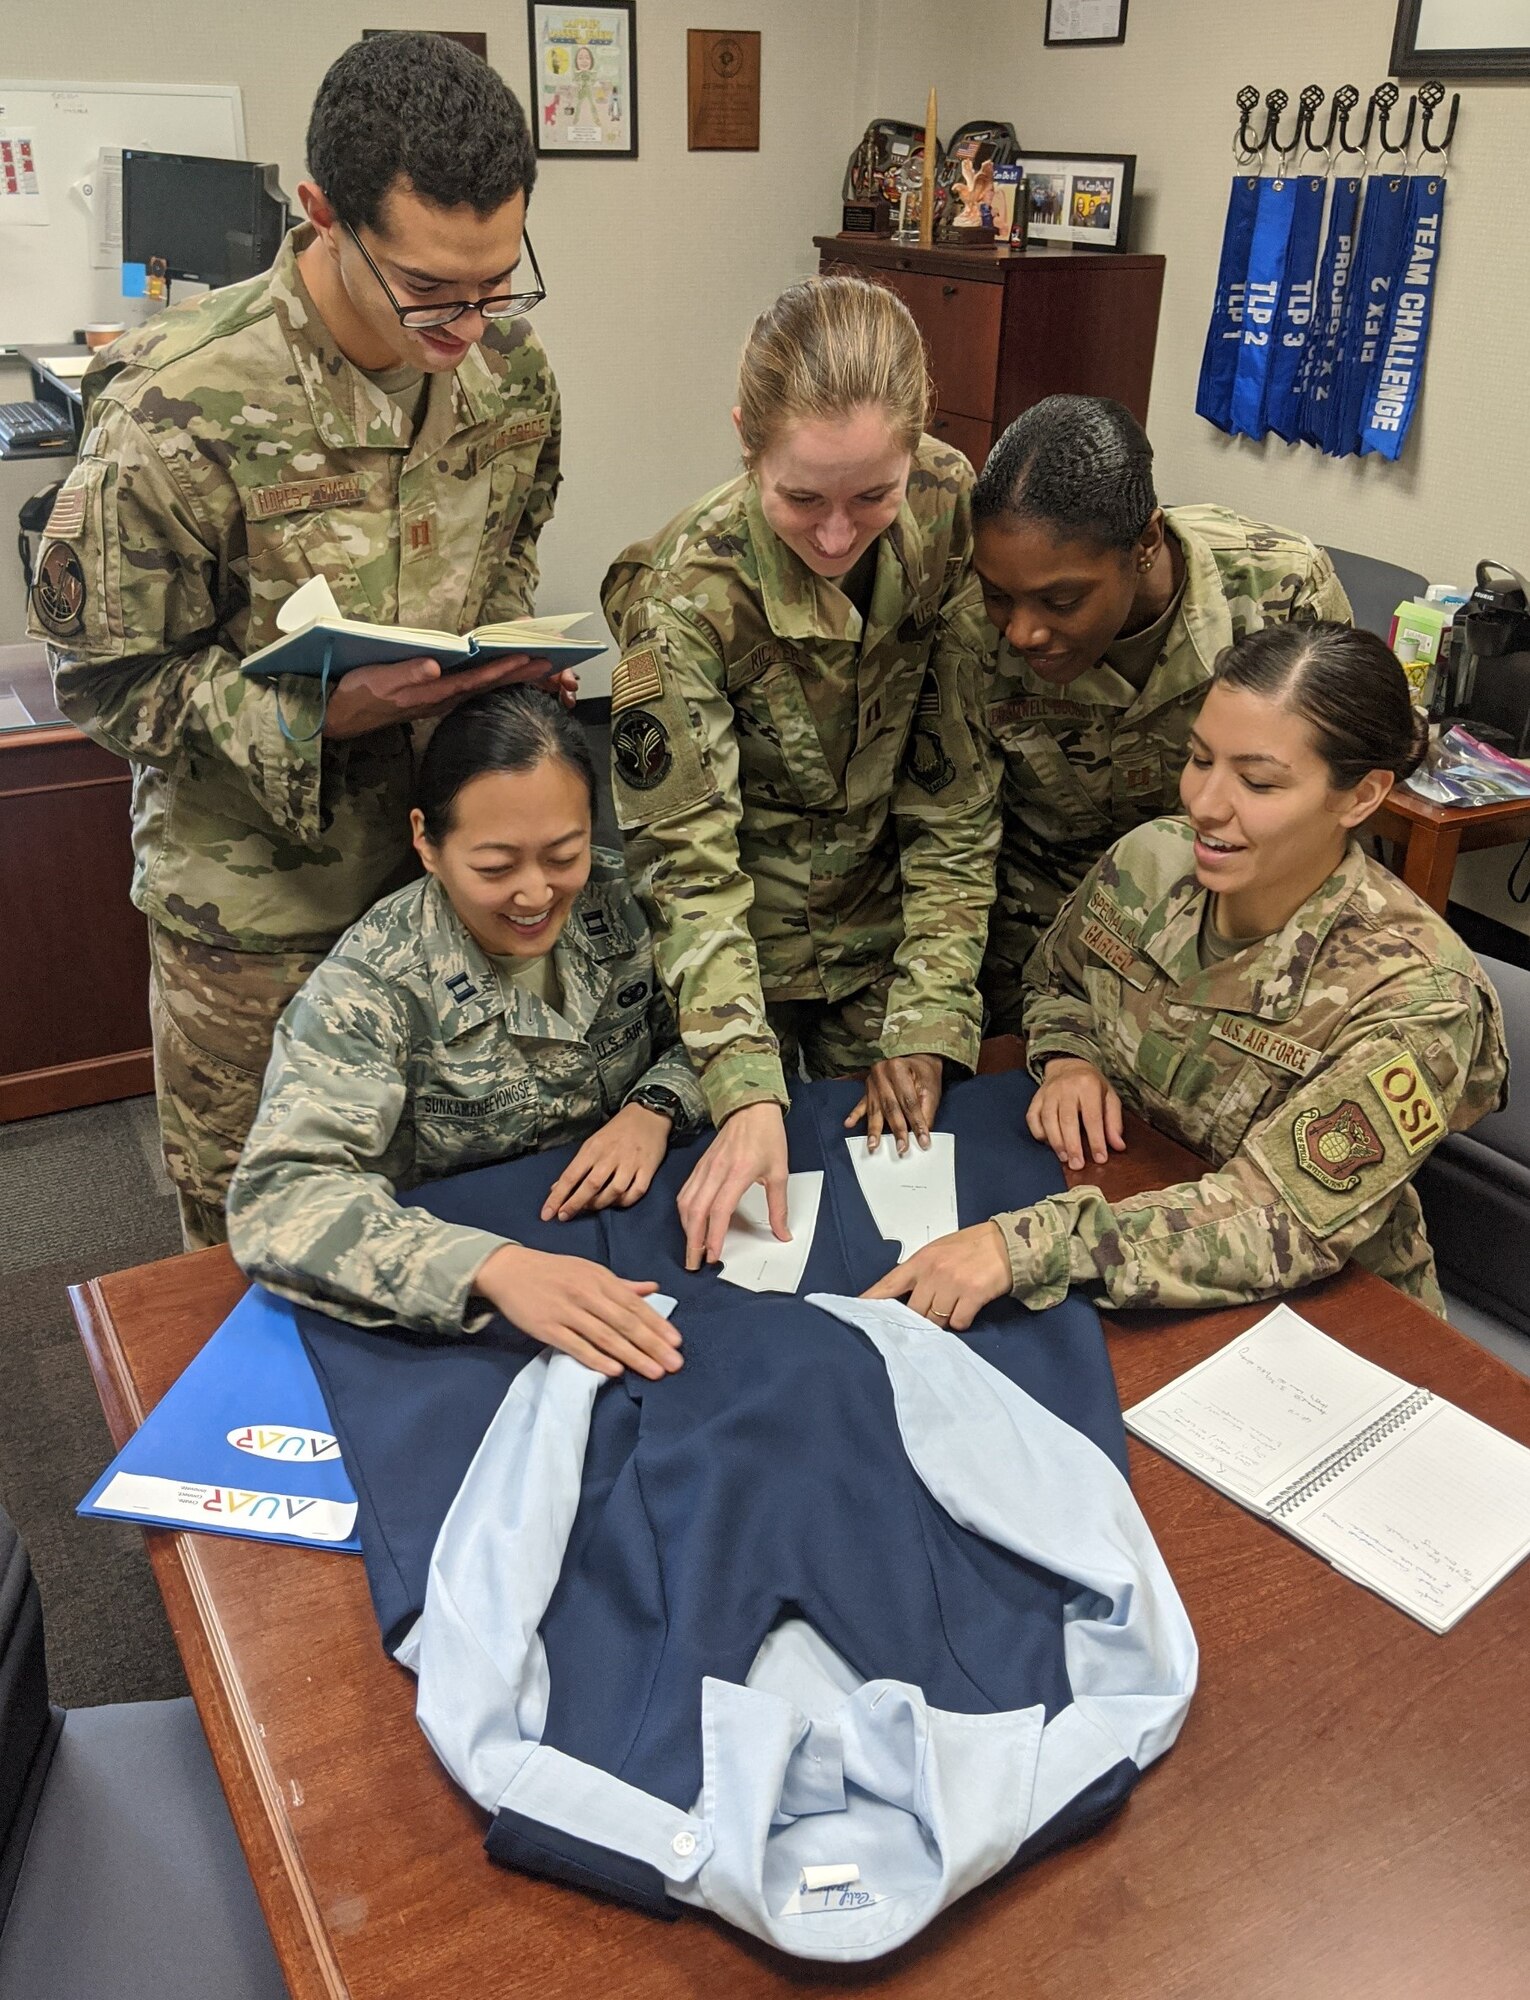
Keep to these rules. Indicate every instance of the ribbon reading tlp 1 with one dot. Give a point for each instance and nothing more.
(1219, 362)
(1261, 303)
(1381, 230)
(1320, 369)
(1293, 325)
(1400, 371)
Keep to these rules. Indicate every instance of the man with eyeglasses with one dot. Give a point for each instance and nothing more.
(374, 409)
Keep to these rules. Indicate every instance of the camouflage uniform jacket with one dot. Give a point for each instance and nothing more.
(1085, 763)
(234, 453)
(404, 1058)
(806, 802)
(1315, 1070)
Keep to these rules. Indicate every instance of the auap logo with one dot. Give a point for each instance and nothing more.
(280, 1441)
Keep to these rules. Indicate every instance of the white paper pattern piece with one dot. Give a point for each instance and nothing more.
(912, 1196)
(751, 1255)
(137, 1493)
(21, 191)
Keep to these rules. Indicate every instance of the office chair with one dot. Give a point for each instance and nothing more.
(1375, 589)
(1475, 1189)
(120, 1875)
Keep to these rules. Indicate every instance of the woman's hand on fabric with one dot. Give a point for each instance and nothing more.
(950, 1280)
(1077, 1110)
(902, 1094)
(615, 1166)
(582, 1309)
(749, 1150)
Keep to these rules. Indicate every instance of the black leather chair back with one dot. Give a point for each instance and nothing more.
(28, 1726)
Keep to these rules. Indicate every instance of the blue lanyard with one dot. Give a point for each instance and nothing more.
(1394, 384)
(1381, 230)
(1261, 303)
(1322, 358)
(1293, 326)
(1219, 362)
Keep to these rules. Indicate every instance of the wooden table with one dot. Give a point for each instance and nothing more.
(1347, 1812)
(1431, 836)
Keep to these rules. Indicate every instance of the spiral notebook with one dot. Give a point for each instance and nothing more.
(1398, 1489)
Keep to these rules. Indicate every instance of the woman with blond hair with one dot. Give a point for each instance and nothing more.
(808, 812)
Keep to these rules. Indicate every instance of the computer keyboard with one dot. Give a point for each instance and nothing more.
(26, 427)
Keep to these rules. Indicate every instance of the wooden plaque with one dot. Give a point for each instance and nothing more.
(723, 100)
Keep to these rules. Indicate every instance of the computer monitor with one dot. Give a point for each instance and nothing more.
(212, 221)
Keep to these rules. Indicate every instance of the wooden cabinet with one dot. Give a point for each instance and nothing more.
(1006, 327)
(74, 991)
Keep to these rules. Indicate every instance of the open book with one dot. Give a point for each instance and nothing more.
(315, 633)
(1400, 1490)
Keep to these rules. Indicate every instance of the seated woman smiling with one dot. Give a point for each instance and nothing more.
(1247, 981)
(503, 1004)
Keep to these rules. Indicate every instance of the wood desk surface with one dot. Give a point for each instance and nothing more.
(1347, 1812)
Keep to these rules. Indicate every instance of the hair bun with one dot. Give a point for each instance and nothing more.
(1418, 749)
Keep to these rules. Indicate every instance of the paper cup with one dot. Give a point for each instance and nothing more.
(102, 333)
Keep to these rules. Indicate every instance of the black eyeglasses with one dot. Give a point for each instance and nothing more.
(503, 305)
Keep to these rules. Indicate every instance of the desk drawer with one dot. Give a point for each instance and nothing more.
(965, 433)
(959, 318)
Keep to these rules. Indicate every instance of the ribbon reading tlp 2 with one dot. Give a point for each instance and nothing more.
(1261, 303)
(1400, 371)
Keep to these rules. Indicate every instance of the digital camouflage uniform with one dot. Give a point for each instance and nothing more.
(1315, 1069)
(808, 807)
(1085, 763)
(405, 1058)
(233, 453)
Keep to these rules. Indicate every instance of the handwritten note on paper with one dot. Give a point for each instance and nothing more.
(1266, 1406)
(912, 1196)
(1433, 1518)
(751, 1255)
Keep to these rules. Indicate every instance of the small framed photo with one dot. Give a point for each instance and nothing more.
(1489, 38)
(1080, 198)
(583, 80)
(1085, 23)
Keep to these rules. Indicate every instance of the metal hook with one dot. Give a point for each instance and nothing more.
(1345, 98)
(1346, 144)
(1384, 100)
(1247, 143)
(1275, 102)
(1431, 96)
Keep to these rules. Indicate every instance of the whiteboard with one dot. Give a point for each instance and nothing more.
(55, 273)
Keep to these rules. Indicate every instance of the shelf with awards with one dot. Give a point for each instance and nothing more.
(1005, 328)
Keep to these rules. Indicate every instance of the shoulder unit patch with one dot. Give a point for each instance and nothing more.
(1336, 1146)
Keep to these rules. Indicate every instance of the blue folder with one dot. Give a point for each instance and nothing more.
(241, 1444)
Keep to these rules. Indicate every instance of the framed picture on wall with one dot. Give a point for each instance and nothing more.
(1080, 198)
(1072, 23)
(583, 80)
(1462, 38)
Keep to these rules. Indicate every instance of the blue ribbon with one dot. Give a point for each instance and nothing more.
(1261, 303)
(1392, 393)
(1293, 325)
(1219, 362)
(318, 730)
(1322, 357)
(1381, 231)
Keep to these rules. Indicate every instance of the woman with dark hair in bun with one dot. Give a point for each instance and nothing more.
(1113, 610)
(1249, 982)
(503, 1004)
